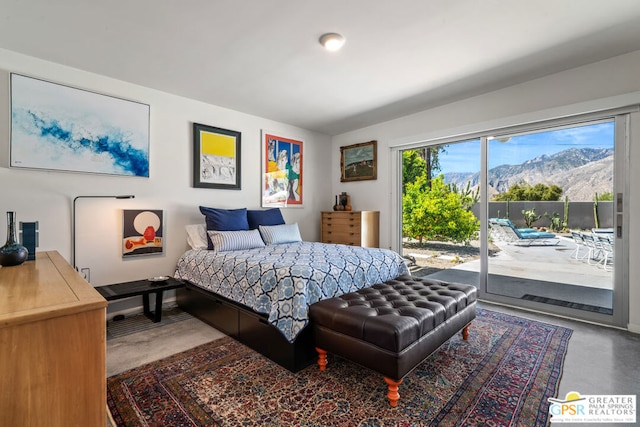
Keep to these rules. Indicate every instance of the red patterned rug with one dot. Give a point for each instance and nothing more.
(502, 375)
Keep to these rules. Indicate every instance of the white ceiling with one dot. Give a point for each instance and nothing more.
(262, 57)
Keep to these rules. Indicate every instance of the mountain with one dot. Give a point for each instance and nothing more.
(580, 172)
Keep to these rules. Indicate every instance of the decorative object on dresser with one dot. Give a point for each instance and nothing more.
(359, 162)
(58, 127)
(12, 253)
(358, 228)
(337, 206)
(216, 157)
(52, 346)
(29, 238)
(345, 201)
(282, 172)
(73, 229)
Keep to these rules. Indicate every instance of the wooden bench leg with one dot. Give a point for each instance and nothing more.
(322, 359)
(465, 332)
(393, 394)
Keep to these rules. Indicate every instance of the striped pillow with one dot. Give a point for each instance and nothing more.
(278, 234)
(235, 240)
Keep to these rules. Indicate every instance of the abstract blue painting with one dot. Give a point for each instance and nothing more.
(62, 128)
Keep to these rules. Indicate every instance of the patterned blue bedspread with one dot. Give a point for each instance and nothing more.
(283, 280)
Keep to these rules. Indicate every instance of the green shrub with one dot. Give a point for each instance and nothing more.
(526, 192)
(436, 213)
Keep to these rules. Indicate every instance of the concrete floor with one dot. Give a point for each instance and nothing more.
(540, 272)
(130, 351)
(599, 360)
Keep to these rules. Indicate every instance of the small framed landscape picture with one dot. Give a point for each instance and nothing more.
(358, 162)
(216, 157)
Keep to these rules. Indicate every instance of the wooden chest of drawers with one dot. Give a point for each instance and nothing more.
(52, 346)
(351, 228)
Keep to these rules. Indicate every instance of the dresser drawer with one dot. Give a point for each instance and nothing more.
(340, 219)
(344, 238)
(343, 225)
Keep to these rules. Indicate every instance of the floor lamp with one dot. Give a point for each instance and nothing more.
(73, 237)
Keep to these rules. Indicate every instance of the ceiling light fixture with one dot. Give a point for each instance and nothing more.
(332, 41)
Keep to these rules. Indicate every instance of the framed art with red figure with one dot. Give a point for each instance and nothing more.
(142, 232)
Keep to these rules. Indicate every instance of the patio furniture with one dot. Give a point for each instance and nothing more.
(604, 231)
(578, 239)
(498, 234)
(496, 231)
(599, 248)
(594, 248)
(527, 236)
(606, 247)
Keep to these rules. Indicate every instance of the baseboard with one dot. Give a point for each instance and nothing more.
(635, 328)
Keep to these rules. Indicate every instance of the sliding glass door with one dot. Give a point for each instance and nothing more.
(531, 215)
(550, 213)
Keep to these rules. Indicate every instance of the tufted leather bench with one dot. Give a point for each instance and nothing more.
(393, 326)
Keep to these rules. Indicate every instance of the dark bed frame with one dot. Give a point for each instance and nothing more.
(248, 327)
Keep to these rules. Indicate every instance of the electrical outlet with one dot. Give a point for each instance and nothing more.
(86, 274)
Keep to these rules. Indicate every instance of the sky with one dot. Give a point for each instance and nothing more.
(465, 156)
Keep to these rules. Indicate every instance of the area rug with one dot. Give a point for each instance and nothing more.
(501, 376)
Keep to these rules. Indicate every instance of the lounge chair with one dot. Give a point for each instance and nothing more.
(496, 231)
(527, 236)
(606, 244)
(600, 249)
(578, 239)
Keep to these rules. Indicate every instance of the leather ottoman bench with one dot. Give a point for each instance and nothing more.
(393, 326)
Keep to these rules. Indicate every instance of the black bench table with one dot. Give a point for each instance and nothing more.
(141, 287)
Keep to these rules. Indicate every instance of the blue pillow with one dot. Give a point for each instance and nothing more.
(224, 220)
(278, 234)
(257, 218)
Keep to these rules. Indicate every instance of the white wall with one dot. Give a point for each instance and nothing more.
(602, 84)
(46, 196)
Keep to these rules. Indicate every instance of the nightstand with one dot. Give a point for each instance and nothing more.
(141, 287)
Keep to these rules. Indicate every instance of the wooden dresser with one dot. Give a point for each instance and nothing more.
(52, 346)
(351, 228)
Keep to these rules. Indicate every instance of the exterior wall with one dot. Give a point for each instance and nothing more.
(581, 214)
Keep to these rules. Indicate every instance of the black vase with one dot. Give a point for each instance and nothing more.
(336, 207)
(12, 253)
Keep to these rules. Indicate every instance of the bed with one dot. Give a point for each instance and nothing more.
(261, 295)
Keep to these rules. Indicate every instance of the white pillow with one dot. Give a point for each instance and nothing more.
(197, 236)
(278, 234)
(235, 240)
